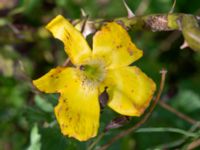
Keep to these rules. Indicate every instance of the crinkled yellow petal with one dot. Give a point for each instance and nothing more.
(54, 80)
(75, 44)
(78, 110)
(113, 44)
(129, 90)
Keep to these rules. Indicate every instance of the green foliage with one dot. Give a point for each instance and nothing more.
(28, 51)
(43, 104)
(187, 101)
(35, 139)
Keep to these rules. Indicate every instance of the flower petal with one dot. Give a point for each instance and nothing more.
(78, 111)
(75, 44)
(113, 44)
(129, 90)
(55, 79)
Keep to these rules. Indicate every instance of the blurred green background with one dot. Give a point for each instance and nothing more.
(27, 51)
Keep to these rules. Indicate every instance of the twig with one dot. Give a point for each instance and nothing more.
(162, 129)
(66, 63)
(13, 28)
(167, 42)
(178, 142)
(177, 113)
(141, 122)
(96, 141)
(194, 144)
(142, 7)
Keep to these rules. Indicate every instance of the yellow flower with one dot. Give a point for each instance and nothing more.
(104, 67)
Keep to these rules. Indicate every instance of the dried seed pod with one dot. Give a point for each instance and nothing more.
(117, 122)
(103, 98)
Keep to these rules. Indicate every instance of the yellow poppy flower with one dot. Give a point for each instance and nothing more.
(105, 67)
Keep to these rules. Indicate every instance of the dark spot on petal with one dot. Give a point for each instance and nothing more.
(70, 119)
(93, 128)
(78, 117)
(107, 28)
(67, 37)
(119, 46)
(130, 51)
(66, 109)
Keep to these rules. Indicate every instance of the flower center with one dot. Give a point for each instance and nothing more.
(93, 72)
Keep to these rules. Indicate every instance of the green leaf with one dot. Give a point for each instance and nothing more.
(43, 104)
(35, 139)
(187, 100)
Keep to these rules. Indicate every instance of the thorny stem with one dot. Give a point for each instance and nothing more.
(186, 23)
(124, 133)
